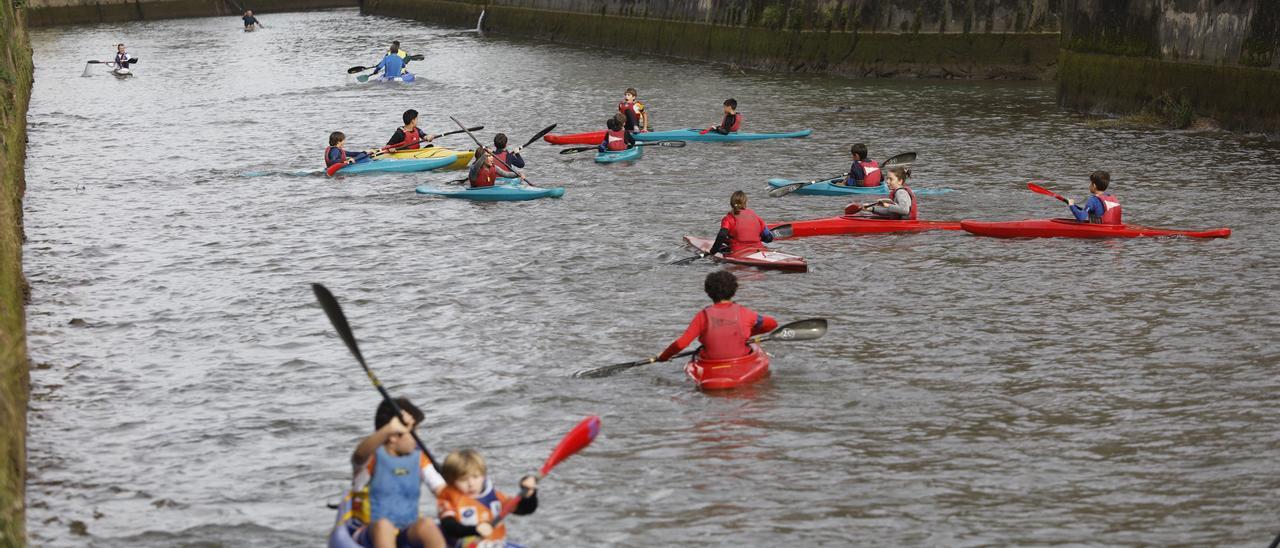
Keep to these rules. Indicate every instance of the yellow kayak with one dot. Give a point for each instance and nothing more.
(464, 156)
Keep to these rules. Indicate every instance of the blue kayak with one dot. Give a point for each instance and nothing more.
(392, 165)
(691, 134)
(505, 190)
(826, 188)
(405, 78)
(633, 153)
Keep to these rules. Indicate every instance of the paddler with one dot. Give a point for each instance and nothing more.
(391, 471)
(468, 504)
(723, 327)
(335, 154)
(1101, 207)
(250, 21)
(509, 157)
(392, 64)
(410, 136)
(404, 55)
(741, 228)
(862, 172)
(615, 137)
(732, 121)
(122, 57)
(484, 172)
(633, 109)
(901, 203)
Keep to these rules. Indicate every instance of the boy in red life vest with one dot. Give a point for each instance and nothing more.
(723, 327)
(335, 154)
(484, 172)
(469, 503)
(863, 172)
(410, 136)
(741, 228)
(510, 157)
(901, 203)
(616, 138)
(732, 121)
(389, 463)
(637, 118)
(1101, 207)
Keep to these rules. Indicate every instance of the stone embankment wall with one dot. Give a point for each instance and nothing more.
(981, 39)
(65, 12)
(15, 90)
(1218, 58)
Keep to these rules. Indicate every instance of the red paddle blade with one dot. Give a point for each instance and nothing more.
(1042, 190)
(852, 208)
(334, 168)
(578, 438)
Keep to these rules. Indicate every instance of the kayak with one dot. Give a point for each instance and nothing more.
(1071, 228)
(504, 190)
(856, 224)
(689, 134)
(826, 188)
(759, 257)
(403, 78)
(464, 156)
(122, 72)
(397, 166)
(344, 527)
(730, 373)
(631, 154)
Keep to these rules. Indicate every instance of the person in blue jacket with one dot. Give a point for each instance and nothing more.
(1101, 207)
(392, 65)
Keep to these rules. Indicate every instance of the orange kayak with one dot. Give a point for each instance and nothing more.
(730, 373)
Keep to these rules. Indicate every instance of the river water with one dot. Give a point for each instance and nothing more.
(189, 391)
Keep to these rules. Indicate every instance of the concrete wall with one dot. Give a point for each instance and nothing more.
(1221, 58)
(1013, 39)
(15, 90)
(64, 12)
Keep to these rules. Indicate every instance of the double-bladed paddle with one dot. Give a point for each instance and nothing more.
(495, 158)
(531, 140)
(802, 330)
(905, 158)
(391, 148)
(672, 144)
(132, 60)
(362, 68)
(1042, 190)
(581, 436)
(339, 320)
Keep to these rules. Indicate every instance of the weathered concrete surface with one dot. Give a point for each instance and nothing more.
(869, 38)
(15, 90)
(1219, 56)
(66, 12)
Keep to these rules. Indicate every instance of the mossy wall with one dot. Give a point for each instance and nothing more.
(15, 90)
(42, 13)
(1007, 55)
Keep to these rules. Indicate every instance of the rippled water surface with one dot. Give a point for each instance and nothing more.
(971, 391)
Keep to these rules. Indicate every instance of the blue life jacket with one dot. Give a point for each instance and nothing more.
(395, 487)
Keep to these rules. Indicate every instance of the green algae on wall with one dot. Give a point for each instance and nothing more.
(15, 90)
(42, 13)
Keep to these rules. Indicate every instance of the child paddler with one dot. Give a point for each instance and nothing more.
(410, 136)
(509, 157)
(484, 172)
(469, 503)
(633, 109)
(335, 154)
(741, 228)
(122, 57)
(1101, 207)
(901, 203)
(393, 470)
(724, 327)
(404, 55)
(732, 121)
(392, 64)
(862, 172)
(616, 137)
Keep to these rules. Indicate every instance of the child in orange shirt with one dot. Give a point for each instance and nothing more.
(469, 503)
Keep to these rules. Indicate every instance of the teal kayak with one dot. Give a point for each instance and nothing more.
(398, 166)
(633, 153)
(826, 188)
(505, 190)
(691, 134)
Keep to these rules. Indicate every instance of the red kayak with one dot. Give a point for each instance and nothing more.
(588, 138)
(851, 224)
(1071, 228)
(760, 257)
(730, 373)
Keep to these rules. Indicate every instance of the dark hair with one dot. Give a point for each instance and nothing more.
(385, 412)
(901, 172)
(1100, 179)
(632, 91)
(500, 141)
(859, 149)
(336, 137)
(395, 49)
(395, 43)
(721, 285)
(613, 124)
(731, 103)
(409, 115)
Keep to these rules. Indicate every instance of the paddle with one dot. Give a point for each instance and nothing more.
(132, 60)
(389, 148)
(1042, 190)
(362, 68)
(495, 158)
(688, 260)
(581, 436)
(801, 330)
(339, 321)
(905, 158)
(672, 144)
(526, 144)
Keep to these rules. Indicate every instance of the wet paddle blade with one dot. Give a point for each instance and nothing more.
(575, 150)
(781, 231)
(539, 135)
(906, 158)
(803, 330)
(581, 436)
(788, 189)
(688, 260)
(356, 69)
(362, 78)
(1042, 190)
(334, 168)
(852, 208)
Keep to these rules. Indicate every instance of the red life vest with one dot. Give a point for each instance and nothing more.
(485, 176)
(872, 170)
(615, 140)
(502, 156)
(341, 159)
(745, 233)
(737, 123)
(1111, 205)
(914, 203)
(725, 337)
(411, 139)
